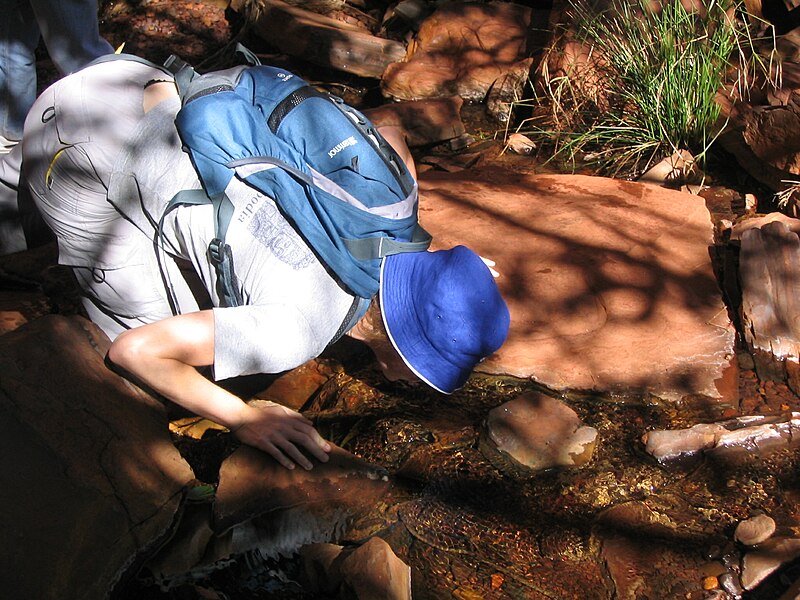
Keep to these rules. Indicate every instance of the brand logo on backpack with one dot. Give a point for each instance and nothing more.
(351, 141)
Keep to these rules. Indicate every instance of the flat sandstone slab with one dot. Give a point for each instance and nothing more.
(609, 283)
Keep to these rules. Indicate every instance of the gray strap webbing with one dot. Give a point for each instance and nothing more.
(219, 252)
(380, 247)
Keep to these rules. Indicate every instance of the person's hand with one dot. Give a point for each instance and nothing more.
(282, 433)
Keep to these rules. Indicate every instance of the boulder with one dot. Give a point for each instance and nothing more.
(424, 122)
(323, 40)
(91, 483)
(374, 572)
(760, 562)
(609, 283)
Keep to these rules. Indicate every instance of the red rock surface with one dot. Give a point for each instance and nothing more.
(462, 49)
(609, 283)
(90, 481)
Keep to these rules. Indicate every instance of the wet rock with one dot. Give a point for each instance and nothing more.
(373, 572)
(283, 509)
(640, 565)
(768, 557)
(664, 444)
(730, 439)
(463, 49)
(609, 283)
(323, 40)
(754, 530)
(730, 583)
(91, 482)
(537, 432)
(769, 272)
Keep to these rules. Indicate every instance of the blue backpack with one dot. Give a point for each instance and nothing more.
(330, 172)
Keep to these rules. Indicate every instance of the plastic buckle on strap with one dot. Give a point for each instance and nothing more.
(215, 251)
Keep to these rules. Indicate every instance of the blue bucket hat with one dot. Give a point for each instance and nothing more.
(443, 313)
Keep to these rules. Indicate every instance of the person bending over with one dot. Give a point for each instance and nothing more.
(102, 158)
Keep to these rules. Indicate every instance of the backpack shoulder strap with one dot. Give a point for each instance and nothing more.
(192, 85)
(219, 252)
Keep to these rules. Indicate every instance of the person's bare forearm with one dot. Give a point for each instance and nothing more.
(163, 356)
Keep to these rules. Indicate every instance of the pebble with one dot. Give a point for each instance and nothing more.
(755, 530)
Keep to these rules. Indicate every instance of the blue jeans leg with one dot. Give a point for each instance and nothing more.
(70, 32)
(19, 36)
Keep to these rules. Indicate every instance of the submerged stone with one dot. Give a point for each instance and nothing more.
(537, 432)
(755, 530)
(729, 439)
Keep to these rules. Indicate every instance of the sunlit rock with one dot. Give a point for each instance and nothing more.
(674, 171)
(537, 432)
(609, 283)
(91, 483)
(520, 144)
(374, 572)
(729, 439)
(463, 49)
(754, 530)
(759, 562)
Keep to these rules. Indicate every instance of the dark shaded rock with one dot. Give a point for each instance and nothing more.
(770, 283)
(296, 387)
(609, 283)
(424, 122)
(321, 570)
(252, 483)
(373, 572)
(91, 481)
